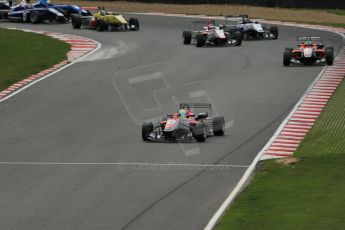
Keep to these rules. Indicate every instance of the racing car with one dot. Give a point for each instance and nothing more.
(250, 29)
(208, 33)
(103, 20)
(41, 11)
(184, 125)
(5, 8)
(310, 50)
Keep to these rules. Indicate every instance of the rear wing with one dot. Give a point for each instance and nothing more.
(205, 22)
(91, 9)
(237, 16)
(195, 105)
(308, 38)
(189, 106)
(240, 17)
(199, 25)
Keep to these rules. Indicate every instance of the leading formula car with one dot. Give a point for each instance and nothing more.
(310, 50)
(102, 20)
(185, 125)
(250, 29)
(205, 33)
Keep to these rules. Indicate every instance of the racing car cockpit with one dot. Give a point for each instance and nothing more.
(308, 43)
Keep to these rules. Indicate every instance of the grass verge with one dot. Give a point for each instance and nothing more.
(305, 194)
(320, 17)
(24, 54)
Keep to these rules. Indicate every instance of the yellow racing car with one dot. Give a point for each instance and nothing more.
(103, 20)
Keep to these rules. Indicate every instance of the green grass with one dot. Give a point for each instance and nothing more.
(308, 194)
(23, 54)
(334, 24)
(337, 12)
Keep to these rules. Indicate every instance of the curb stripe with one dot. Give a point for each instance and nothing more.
(79, 46)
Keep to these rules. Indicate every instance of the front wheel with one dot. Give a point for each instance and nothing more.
(287, 57)
(274, 32)
(199, 132)
(76, 21)
(218, 124)
(329, 55)
(133, 24)
(187, 37)
(200, 40)
(34, 17)
(146, 130)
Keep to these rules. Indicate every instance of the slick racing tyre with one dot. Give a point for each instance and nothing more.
(101, 25)
(287, 58)
(199, 132)
(200, 40)
(187, 37)
(34, 17)
(329, 55)
(146, 130)
(274, 32)
(238, 38)
(218, 124)
(76, 21)
(133, 24)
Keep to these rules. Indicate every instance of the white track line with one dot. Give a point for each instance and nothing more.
(139, 164)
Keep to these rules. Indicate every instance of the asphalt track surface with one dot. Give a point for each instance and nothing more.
(68, 144)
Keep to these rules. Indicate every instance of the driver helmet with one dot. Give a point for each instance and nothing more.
(246, 20)
(308, 43)
(102, 13)
(183, 112)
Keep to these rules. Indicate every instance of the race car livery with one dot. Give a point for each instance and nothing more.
(310, 50)
(5, 8)
(250, 29)
(41, 11)
(104, 20)
(205, 33)
(185, 125)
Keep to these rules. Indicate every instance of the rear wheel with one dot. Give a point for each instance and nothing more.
(329, 55)
(287, 57)
(34, 17)
(187, 37)
(133, 24)
(146, 130)
(61, 20)
(274, 32)
(200, 40)
(238, 38)
(76, 21)
(218, 124)
(101, 25)
(2, 15)
(199, 132)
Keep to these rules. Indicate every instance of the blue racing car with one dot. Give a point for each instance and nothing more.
(42, 11)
